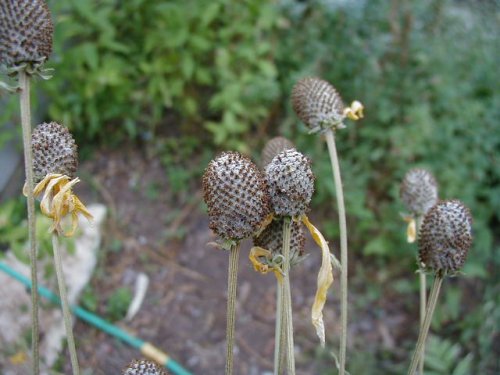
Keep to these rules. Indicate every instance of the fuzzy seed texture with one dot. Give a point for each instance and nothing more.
(419, 191)
(445, 236)
(291, 183)
(317, 104)
(273, 147)
(26, 31)
(271, 239)
(144, 368)
(235, 192)
(54, 151)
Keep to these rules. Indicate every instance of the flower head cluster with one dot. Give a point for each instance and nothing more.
(445, 236)
(319, 105)
(25, 33)
(143, 367)
(419, 191)
(235, 192)
(273, 147)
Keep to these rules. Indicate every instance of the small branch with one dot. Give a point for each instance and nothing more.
(24, 82)
(424, 330)
(65, 305)
(232, 284)
(330, 140)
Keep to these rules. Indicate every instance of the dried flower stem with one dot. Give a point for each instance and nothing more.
(287, 299)
(423, 300)
(65, 305)
(24, 83)
(330, 140)
(232, 284)
(424, 330)
(278, 329)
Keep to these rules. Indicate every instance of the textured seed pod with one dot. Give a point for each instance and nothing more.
(235, 192)
(317, 104)
(419, 191)
(271, 239)
(273, 147)
(291, 183)
(144, 368)
(445, 236)
(54, 151)
(25, 32)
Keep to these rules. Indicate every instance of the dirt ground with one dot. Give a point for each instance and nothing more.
(184, 309)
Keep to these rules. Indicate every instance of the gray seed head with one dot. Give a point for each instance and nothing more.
(317, 104)
(54, 151)
(143, 367)
(419, 191)
(291, 183)
(271, 239)
(445, 236)
(273, 147)
(235, 192)
(25, 32)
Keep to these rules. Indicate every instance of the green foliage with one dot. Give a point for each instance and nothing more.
(117, 305)
(442, 357)
(122, 66)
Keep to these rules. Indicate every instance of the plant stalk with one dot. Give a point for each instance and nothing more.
(423, 298)
(278, 329)
(289, 344)
(232, 283)
(424, 330)
(24, 82)
(65, 305)
(330, 140)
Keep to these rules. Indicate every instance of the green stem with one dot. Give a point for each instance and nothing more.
(24, 82)
(65, 305)
(232, 283)
(278, 329)
(423, 298)
(330, 140)
(424, 330)
(290, 355)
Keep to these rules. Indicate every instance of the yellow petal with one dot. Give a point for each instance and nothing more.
(411, 231)
(325, 279)
(255, 253)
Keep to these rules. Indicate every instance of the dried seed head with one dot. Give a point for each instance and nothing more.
(273, 147)
(317, 104)
(143, 367)
(54, 151)
(25, 32)
(291, 183)
(271, 239)
(235, 192)
(445, 236)
(419, 191)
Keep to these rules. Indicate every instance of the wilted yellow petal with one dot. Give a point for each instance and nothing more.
(355, 111)
(325, 279)
(411, 231)
(255, 253)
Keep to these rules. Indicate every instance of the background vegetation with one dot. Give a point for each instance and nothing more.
(192, 77)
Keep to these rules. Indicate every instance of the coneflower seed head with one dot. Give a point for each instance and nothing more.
(235, 192)
(317, 104)
(26, 31)
(273, 147)
(54, 151)
(291, 183)
(445, 236)
(143, 367)
(419, 191)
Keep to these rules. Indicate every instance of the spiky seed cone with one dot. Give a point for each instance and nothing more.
(235, 192)
(317, 104)
(419, 191)
(273, 147)
(291, 183)
(26, 31)
(143, 367)
(445, 236)
(54, 151)
(271, 239)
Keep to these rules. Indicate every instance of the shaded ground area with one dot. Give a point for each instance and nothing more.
(184, 309)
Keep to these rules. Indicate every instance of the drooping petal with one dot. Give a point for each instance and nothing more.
(263, 268)
(324, 281)
(411, 230)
